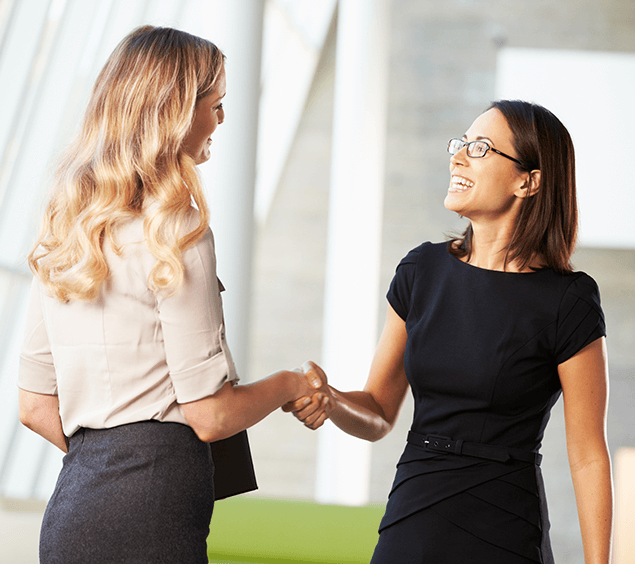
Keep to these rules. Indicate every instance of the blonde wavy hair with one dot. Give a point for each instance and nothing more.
(129, 150)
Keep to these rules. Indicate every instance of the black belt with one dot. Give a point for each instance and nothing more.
(436, 443)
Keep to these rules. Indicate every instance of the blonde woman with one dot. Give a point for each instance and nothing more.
(125, 365)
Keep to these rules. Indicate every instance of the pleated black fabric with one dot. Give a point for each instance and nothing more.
(482, 362)
(136, 494)
(428, 537)
(498, 503)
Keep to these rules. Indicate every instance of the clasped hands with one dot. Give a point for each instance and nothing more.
(313, 411)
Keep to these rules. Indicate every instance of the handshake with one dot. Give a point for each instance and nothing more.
(316, 399)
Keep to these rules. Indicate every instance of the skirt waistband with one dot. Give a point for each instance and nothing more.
(140, 432)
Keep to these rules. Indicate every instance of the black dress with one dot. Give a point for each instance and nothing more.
(481, 359)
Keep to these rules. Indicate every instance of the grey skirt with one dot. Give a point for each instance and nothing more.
(141, 494)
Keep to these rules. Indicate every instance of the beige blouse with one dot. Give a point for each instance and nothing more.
(130, 355)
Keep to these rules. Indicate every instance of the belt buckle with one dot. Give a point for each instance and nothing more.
(438, 443)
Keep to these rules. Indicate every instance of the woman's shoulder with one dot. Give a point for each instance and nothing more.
(562, 294)
(131, 232)
(577, 281)
(426, 251)
(132, 228)
(582, 286)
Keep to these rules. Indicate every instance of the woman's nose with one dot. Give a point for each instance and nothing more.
(460, 157)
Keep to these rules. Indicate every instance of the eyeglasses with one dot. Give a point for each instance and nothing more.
(476, 149)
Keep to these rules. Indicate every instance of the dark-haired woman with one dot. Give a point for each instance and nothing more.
(125, 364)
(488, 330)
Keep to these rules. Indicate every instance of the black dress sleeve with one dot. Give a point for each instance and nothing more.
(400, 291)
(580, 318)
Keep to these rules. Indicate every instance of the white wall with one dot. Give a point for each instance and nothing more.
(592, 94)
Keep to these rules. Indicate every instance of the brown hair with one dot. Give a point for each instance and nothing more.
(547, 223)
(129, 150)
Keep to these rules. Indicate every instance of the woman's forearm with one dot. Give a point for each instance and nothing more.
(369, 414)
(358, 414)
(234, 408)
(584, 379)
(40, 413)
(594, 497)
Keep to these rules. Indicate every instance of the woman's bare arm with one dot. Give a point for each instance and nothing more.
(371, 413)
(41, 414)
(234, 408)
(584, 379)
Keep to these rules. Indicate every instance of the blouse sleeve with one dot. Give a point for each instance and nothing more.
(197, 355)
(580, 318)
(37, 371)
(400, 291)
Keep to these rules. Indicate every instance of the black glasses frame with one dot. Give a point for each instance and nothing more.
(489, 147)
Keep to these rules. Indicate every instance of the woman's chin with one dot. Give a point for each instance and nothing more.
(451, 203)
(202, 157)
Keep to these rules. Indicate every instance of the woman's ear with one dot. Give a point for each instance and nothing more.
(531, 185)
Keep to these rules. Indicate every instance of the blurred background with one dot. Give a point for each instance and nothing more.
(331, 165)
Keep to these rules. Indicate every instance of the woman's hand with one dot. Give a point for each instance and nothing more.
(312, 410)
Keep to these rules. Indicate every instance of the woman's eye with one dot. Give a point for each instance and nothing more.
(219, 107)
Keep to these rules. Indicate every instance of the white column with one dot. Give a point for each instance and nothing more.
(236, 27)
(354, 234)
(624, 506)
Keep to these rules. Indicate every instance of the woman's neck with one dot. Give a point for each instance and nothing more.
(489, 249)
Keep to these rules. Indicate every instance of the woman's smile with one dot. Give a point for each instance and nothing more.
(460, 183)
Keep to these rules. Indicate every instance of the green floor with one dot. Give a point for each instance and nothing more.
(253, 530)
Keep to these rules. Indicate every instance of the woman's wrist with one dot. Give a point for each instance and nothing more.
(291, 385)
